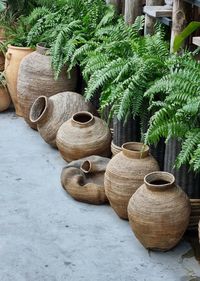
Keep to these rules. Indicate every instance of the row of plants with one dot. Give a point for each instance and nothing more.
(135, 75)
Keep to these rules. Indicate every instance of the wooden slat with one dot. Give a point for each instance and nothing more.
(158, 11)
(196, 41)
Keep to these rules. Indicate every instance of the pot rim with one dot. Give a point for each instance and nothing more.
(35, 106)
(84, 113)
(19, 48)
(136, 150)
(159, 176)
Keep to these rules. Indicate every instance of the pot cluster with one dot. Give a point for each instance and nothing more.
(158, 210)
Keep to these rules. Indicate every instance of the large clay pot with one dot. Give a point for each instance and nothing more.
(83, 135)
(84, 179)
(125, 174)
(4, 99)
(50, 113)
(36, 78)
(14, 57)
(159, 212)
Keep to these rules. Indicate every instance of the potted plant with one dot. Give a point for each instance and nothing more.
(177, 120)
(4, 95)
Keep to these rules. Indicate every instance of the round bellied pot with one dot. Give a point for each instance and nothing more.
(50, 113)
(83, 135)
(36, 78)
(14, 57)
(159, 212)
(84, 179)
(4, 98)
(125, 174)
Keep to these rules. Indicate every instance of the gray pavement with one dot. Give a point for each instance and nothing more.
(47, 236)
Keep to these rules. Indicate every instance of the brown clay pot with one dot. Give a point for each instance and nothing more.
(4, 99)
(14, 57)
(50, 113)
(84, 179)
(125, 174)
(115, 149)
(83, 135)
(159, 212)
(2, 61)
(2, 34)
(36, 78)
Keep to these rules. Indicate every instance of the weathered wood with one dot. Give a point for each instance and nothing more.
(179, 20)
(158, 11)
(116, 3)
(149, 20)
(133, 9)
(196, 41)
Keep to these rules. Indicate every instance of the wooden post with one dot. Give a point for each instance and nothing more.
(150, 21)
(116, 3)
(179, 19)
(133, 8)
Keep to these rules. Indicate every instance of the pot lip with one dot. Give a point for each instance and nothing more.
(35, 121)
(159, 175)
(136, 150)
(86, 166)
(87, 113)
(19, 48)
(41, 49)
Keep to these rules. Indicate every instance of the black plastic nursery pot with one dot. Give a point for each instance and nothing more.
(187, 180)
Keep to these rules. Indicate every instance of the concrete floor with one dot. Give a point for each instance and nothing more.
(47, 236)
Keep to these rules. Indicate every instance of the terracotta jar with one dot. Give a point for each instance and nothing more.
(14, 57)
(4, 98)
(159, 212)
(50, 113)
(83, 135)
(36, 78)
(84, 179)
(125, 174)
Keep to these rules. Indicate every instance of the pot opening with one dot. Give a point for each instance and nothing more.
(86, 166)
(159, 179)
(83, 117)
(38, 109)
(135, 146)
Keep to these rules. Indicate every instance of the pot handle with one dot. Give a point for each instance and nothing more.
(8, 56)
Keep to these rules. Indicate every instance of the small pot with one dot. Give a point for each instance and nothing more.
(83, 135)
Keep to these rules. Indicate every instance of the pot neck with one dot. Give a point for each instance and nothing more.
(82, 119)
(159, 181)
(41, 108)
(135, 150)
(42, 50)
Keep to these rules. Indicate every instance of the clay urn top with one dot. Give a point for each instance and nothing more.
(82, 119)
(135, 150)
(159, 181)
(42, 49)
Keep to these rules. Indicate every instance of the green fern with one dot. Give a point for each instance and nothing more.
(178, 115)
